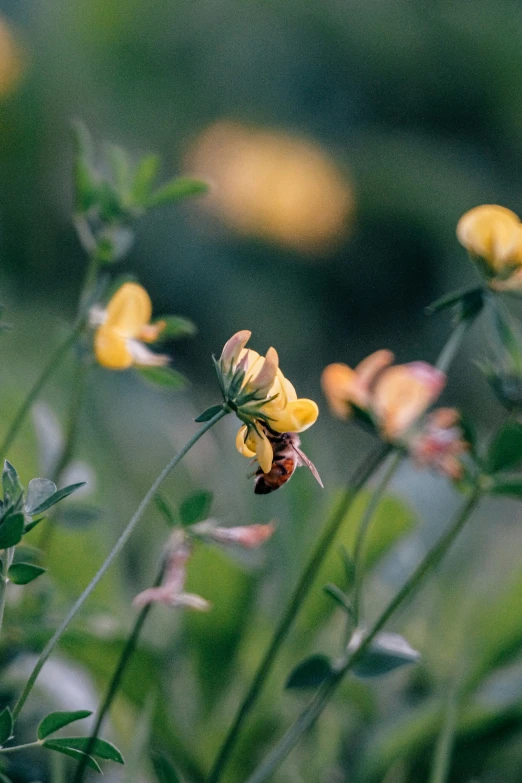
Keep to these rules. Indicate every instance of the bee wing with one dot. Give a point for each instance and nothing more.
(303, 460)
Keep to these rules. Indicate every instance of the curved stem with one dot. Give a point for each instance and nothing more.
(116, 678)
(325, 692)
(394, 461)
(118, 546)
(301, 591)
(55, 361)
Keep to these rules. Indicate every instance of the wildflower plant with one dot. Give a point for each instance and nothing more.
(115, 328)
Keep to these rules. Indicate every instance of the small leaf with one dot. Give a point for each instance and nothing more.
(32, 524)
(11, 531)
(10, 482)
(146, 172)
(166, 510)
(209, 413)
(59, 495)
(85, 177)
(176, 190)
(163, 376)
(165, 772)
(387, 652)
(72, 752)
(334, 592)
(310, 673)
(195, 508)
(504, 486)
(506, 450)
(349, 567)
(120, 167)
(176, 327)
(23, 573)
(97, 747)
(38, 491)
(6, 725)
(57, 720)
(453, 298)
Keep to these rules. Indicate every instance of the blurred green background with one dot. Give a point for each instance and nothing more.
(393, 118)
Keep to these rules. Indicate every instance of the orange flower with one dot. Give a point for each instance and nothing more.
(494, 234)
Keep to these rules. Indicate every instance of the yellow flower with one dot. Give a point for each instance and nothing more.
(494, 234)
(395, 397)
(256, 389)
(124, 328)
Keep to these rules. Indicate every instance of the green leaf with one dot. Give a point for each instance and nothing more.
(349, 567)
(209, 413)
(195, 508)
(6, 725)
(387, 652)
(85, 176)
(120, 167)
(57, 720)
(98, 747)
(163, 376)
(110, 205)
(176, 190)
(165, 772)
(146, 172)
(334, 592)
(11, 530)
(4, 778)
(38, 491)
(454, 297)
(56, 497)
(176, 327)
(32, 524)
(10, 483)
(506, 450)
(72, 752)
(504, 486)
(23, 573)
(310, 673)
(166, 510)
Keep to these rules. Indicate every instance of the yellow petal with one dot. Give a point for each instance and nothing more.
(493, 233)
(111, 349)
(233, 348)
(264, 451)
(129, 310)
(263, 382)
(297, 416)
(151, 332)
(403, 393)
(369, 369)
(241, 444)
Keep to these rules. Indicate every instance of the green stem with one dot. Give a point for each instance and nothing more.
(452, 345)
(21, 747)
(443, 750)
(118, 546)
(301, 591)
(325, 692)
(55, 361)
(394, 461)
(116, 678)
(4, 581)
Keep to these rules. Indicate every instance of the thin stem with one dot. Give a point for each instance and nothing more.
(55, 361)
(116, 678)
(301, 591)
(394, 461)
(7, 559)
(118, 546)
(452, 345)
(444, 748)
(21, 747)
(323, 695)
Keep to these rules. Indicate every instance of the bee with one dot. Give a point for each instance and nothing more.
(287, 457)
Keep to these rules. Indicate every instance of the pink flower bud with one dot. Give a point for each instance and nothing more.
(248, 536)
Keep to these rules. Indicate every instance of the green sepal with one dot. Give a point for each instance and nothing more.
(23, 573)
(120, 166)
(209, 413)
(10, 483)
(6, 725)
(310, 673)
(507, 486)
(176, 190)
(455, 297)
(166, 510)
(176, 327)
(11, 530)
(165, 377)
(195, 508)
(57, 720)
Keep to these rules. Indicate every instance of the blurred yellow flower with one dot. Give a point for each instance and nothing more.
(271, 185)
(256, 389)
(494, 234)
(394, 396)
(123, 328)
(11, 59)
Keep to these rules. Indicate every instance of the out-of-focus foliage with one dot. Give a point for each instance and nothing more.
(391, 119)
